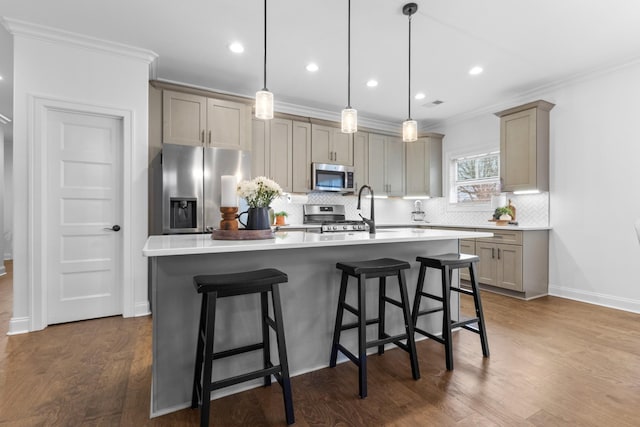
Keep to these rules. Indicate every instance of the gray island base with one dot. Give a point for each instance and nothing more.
(309, 299)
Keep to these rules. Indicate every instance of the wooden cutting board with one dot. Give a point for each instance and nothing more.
(242, 234)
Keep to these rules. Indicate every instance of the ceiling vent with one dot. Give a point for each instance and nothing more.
(432, 104)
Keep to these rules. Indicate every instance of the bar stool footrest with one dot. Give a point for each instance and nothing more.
(465, 322)
(355, 324)
(428, 295)
(239, 350)
(350, 355)
(388, 339)
(244, 377)
(392, 301)
(462, 291)
(429, 335)
(430, 311)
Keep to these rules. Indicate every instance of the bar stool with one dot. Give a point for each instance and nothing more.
(363, 270)
(446, 264)
(213, 287)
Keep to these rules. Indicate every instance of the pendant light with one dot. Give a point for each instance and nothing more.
(264, 98)
(409, 126)
(349, 115)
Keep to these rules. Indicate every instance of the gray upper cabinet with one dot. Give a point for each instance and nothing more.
(301, 157)
(190, 119)
(524, 147)
(424, 166)
(272, 150)
(184, 118)
(386, 164)
(330, 145)
(361, 158)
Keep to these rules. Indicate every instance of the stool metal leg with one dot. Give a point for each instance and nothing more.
(478, 305)
(282, 354)
(362, 336)
(446, 316)
(408, 323)
(340, 312)
(208, 360)
(266, 349)
(382, 292)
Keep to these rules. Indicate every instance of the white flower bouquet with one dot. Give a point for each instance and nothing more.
(259, 192)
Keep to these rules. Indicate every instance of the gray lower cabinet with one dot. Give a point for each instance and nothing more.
(512, 262)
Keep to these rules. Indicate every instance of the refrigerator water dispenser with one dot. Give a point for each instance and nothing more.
(184, 213)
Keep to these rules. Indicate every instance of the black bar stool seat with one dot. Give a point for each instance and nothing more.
(446, 263)
(363, 270)
(213, 287)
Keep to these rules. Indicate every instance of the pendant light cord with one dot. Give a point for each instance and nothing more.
(265, 45)
(409, 93)
(348, 58)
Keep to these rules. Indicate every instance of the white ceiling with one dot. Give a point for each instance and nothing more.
(522, 47)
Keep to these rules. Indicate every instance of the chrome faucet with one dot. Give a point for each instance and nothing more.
(370, 222)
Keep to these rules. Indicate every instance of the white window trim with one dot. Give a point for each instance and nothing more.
(448, 178)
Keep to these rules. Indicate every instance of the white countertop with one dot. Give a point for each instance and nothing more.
(488, 226)
(190, 244)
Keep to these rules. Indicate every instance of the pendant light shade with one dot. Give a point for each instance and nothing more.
(349, 120)
(409, 126)
(264, 104)
(409, 130)
(264, 98)
(349, 115)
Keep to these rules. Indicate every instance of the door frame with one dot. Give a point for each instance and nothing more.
(37, 256)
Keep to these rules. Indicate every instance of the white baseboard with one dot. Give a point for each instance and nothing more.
(18, 325)
(611, 301)
(141, 309)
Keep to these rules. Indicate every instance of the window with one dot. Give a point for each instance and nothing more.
(475, 178)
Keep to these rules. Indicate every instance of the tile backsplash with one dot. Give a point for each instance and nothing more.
(532, 209)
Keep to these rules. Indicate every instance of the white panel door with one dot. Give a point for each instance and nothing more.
(84, 201)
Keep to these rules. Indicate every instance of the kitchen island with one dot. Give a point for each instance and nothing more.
(309, 299)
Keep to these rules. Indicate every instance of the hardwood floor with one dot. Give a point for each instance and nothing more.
(553, 362)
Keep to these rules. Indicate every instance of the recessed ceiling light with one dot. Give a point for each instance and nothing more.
(312, 67)
(236, 47)
(475, 70)
(0, 77)
(420, 95)
(372, 83)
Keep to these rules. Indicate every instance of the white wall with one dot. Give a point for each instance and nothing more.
(594, 196)
(2, 201)
(7, 235)
(67, 67)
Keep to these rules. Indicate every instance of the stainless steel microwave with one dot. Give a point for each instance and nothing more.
(329, 177)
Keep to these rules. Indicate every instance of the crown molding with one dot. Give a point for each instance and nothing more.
(300, 110)
(41, 32)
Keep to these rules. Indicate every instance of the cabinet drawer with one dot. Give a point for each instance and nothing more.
(512, 237)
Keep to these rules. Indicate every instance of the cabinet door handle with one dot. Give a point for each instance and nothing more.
(202, 136)
(493, 255)
(498, 253)
(209, 137)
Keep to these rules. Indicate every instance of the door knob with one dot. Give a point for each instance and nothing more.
(114, 228)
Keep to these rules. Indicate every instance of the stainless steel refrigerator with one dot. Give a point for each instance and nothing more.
(191, 178)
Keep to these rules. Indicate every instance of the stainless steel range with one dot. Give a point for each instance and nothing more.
(331, 218)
